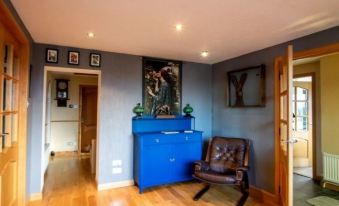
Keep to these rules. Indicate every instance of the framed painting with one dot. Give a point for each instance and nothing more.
(73, 57)
(246, 87)
(161, 86)
(94, 60)
(52, 55)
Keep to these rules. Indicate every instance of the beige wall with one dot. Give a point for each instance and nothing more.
(329, 77)
(64, 135)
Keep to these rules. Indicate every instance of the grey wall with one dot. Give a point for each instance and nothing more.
(121, 90)
(257, 124)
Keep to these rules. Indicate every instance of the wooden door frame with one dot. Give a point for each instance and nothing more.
(77, 71)
(327, 49)
(314, 123)
(81, 86)
(12, 25)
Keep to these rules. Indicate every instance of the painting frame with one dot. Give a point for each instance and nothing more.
(95, 60)
(171, 70)
(252, 94)
(73, 58)
(52, 55)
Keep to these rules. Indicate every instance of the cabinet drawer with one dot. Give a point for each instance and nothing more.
(171, 138)
(157, 139)
(188, 137)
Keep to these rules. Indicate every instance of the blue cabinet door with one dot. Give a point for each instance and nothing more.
(155, 165)
(185, 156)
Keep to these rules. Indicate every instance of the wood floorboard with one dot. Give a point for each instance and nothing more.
(68, 182)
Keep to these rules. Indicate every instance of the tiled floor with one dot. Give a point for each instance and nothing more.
(304, 188)
(304, 171)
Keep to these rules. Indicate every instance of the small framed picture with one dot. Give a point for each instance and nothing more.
(52, 55)
(73, 57)
(94, 60)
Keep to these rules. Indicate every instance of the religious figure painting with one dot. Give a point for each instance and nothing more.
(161, 87)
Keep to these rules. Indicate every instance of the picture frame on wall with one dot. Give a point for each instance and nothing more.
(246, 87)
(73, 57)
(52, 55)
(161, 87)
(94, 60)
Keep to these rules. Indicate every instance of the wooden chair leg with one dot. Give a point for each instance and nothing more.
(201, 193)
(244, 188)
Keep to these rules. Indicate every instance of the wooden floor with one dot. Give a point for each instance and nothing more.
(68, 182)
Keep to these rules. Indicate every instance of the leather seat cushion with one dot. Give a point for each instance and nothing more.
(215, 177)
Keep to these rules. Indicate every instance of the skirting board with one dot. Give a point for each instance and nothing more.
(113, 185)
(35, 196)
(264, 196)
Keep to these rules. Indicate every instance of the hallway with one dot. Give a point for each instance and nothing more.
(68, 182)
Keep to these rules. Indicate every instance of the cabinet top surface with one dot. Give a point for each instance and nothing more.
(167, 132)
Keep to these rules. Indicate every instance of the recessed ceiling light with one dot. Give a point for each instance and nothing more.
(90, 34)
(178, 27)
(204, 53)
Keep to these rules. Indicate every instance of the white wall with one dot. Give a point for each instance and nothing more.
(65, 120)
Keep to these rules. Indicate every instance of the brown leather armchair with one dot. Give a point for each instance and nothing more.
(226, 164)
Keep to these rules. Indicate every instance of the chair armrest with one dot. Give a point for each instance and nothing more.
(241, 172)
(201, 165)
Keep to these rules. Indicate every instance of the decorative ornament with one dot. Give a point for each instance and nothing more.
(188, 110)
(138, 110)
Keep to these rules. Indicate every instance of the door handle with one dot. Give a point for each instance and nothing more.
(290, 141)
(4, 134)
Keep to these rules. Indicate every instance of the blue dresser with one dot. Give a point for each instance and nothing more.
(163, 152)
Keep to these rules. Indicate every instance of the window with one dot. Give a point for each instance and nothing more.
(300, 109)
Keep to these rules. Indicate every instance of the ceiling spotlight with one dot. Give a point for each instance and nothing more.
(90, 34)
(178, 27)
(204, 53)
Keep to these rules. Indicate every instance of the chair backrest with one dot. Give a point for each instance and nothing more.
(227, 153)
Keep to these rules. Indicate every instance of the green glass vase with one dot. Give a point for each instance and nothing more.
(138, 110)
(188, 110)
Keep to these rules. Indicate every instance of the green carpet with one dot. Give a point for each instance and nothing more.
(323, 201)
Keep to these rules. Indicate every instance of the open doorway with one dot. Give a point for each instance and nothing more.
(312, 122)
(302, 123)
(314, 107)
(70, 115)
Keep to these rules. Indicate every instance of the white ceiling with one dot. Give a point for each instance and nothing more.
(226, 28)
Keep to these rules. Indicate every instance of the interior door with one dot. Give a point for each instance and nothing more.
(13, 113)
(285, 68)
(89, 96)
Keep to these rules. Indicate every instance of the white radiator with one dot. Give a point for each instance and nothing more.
(331, 168)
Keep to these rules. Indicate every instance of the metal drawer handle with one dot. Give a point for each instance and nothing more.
(172, 159)
(186, 138)
(157, 140)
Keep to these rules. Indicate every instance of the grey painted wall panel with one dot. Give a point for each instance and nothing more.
(196, 87)
(121, 90)
(257, 124)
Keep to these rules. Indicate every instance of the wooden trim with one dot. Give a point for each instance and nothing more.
(112, 185)
(317, 51)
(11, 25)
(264, 196)
(35, 196)
(276, 123)
(314, 122)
